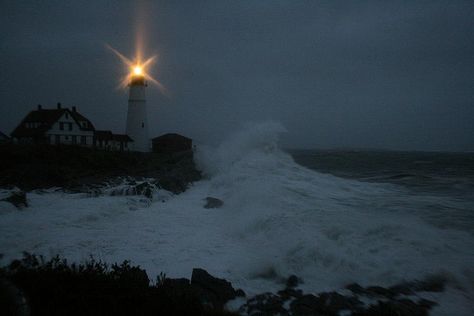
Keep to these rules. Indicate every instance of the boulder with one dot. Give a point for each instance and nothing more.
(292, 281)
(17, 198)
(173, 184)
(264, 304)
(145, 189)
(212, 202)
(212, 291)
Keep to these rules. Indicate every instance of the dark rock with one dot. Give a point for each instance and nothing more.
(240, 293)
(145, 189)
(355, 288)
(173, 184)
(17, 198)
(305, 305)
(431, 284)
(403, 307)
(331, 303)
(372, 291)
(290, 293)
(292, 281)
(77, 168)
(213, 202)
(213, 291)
(265, 304)
(379, 291)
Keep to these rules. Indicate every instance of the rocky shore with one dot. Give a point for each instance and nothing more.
(34, 286)
(77, 169)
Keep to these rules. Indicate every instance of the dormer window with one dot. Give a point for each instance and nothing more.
(67, 116)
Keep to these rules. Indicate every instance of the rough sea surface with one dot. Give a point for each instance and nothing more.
(331, 218)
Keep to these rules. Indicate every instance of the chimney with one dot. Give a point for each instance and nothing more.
(59, 105)
(39, 107)
(74, 109)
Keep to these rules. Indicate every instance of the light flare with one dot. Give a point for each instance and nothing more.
(137, 68)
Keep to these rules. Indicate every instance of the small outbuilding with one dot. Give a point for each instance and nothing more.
(110, 141)
(171, 143)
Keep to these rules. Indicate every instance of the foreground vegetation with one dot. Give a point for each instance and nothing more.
(38, 287)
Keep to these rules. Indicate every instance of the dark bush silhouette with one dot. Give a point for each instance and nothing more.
(55, 287)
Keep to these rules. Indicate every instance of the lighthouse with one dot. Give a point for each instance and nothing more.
(137, 124)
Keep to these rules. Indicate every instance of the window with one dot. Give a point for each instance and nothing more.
(74, 140)
(61, 126)
(67, 116)
(83, 140)
(143, 125)
(57, 139)
(66, 137)
(70, 126)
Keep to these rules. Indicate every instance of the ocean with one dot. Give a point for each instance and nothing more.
(330, 217)
(443, 182)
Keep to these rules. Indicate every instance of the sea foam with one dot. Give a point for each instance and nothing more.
(278, 219)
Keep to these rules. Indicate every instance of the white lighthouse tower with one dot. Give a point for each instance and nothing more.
(137, 124)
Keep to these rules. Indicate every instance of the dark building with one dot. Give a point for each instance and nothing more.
(171, 143)
(66, 127)
(109, 141)
(4, 138)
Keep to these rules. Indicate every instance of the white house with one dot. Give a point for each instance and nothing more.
(68, 127)
(55, 126)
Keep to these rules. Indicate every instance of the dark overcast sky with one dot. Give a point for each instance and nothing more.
(372, 74)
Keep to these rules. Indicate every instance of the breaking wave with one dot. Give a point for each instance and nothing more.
(278, 219)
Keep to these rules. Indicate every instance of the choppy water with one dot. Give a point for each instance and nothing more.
(441, 183)
(371, 221)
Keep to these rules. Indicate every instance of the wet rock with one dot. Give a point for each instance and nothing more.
(17, 198)
(240, 293)
(305, 305)
(212, 291)
(331, 303)
(212, 202)
(265, 304)
(173, 184)
(292, 281)
(430, 284)
(145, 189)
(403, 307)
(290, 293)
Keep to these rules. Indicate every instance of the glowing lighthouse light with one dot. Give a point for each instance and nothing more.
(137, 70)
